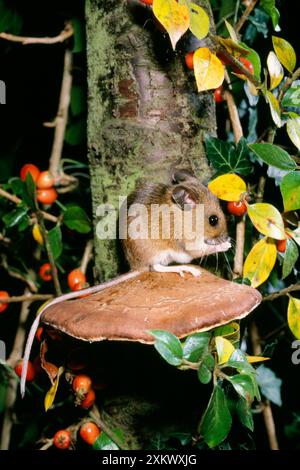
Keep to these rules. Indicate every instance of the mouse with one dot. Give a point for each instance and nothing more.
(149, 245)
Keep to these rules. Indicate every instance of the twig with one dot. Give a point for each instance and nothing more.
(288, 83)
(245, 15)
(266, 407)
(49, 254)
(280, 293)
(234, 116)
(95, 415)
(4, 239)
(25, 298)
(12, 382)
(260, 188)
(62, 116)
(87, 255)
(66, 33)
(21, 277)
(16, 200)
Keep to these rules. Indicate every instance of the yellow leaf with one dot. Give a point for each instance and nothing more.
(208, 69)
(293, 130)
(274, 108)
(253, 359)
(267, 220)
(231, 32)
(50, 395)
(232, 47)
(260, 261)
(275, 70)
(294, 316)
(37, 235)
(199, 24)
(224, 349)
(285, 53)
(228, 187)
(174, 17)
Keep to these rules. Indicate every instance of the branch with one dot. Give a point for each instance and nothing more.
(266, 407)
(288, 83)
(280, 293)
(16, 275)
(16, 200)
(87, 256)
(66, 33)
(62, 116)
(25, 298)
(12, 382)
(245, 15)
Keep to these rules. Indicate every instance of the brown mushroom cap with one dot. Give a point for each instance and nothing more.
(165, 301)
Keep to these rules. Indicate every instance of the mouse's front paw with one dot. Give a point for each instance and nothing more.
(194, 271)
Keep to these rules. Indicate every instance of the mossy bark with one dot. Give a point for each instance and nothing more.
(145, 116)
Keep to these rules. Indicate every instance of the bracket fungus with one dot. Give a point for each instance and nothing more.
(165, 301)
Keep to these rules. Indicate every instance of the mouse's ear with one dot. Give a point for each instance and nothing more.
(181, 175)
(184, 197)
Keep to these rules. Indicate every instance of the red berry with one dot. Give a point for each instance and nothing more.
(46, 196)
(39, 333)
(3, 295)
(89, 432)
(237, 208)
(30, 375)
(246, 63)
(62, 439)
(82, 385)
(75, 277)
(189, 60)
(45, 180)
(29, 168)
(89, 399)
(218, 94)
(147, 2)
(45, 272)
(281, 245)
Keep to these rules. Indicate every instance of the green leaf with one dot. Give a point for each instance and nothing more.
(216, 422)
(78, 100)
(226, 158)
(103, 442)
(273, 155)
(205, 368)
(270, 385)
(289, 188)
(243, 385)
(3, 389)
(238, 360)
(292, 96)
(76, 218)
(16, 185)
(195, 345)
(244, 413)
(55, 240)
(15, 217)
(269, 7)
(293, 130)
(290, 257)
(10, 21)
(29, 193)
(285, 53)
(76, 132)
(79, 35)
(254, 59)
(168, 346)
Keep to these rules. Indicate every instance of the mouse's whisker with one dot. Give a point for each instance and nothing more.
(228, 264)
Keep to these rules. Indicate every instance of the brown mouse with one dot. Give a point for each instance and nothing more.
(156, 252)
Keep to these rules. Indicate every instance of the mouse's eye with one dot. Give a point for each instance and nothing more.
(213, 220)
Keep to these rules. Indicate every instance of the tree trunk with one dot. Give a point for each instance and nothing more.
(145, 116)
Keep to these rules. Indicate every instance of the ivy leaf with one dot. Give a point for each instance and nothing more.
(15, 217)
(285, 53)
(294, 316)
(76, 218)
(199, 25)
(289, 188)
(216, 422)
(225, 158)
(228, 187)
(104, 442)
(267, 220)
(269, 6)
(195, 345)
(55, 240)
(208, 69)
(270, 385)
(290, 257)
(273, 155)
(174, 17)
(260, 261)
(244, 413)
(168, 346)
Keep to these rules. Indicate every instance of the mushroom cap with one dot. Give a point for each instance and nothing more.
(164, 301)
